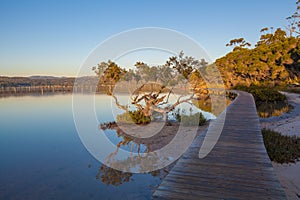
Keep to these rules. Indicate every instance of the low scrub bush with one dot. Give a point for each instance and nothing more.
(136, 117)
(280, 148)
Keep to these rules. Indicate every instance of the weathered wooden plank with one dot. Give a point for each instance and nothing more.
(237, 168)
(253, 168)
(212, 177)
(181, 191)
(236, 190)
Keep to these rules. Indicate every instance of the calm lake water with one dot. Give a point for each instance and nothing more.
(42, 156)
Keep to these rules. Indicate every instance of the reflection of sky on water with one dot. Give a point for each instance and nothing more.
(42, 156)
(131, 146)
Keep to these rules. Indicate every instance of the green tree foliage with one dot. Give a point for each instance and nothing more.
(274, 61)
(238, 43)
(162, 74)
(136, 117)
(185, 65)
(109, 72)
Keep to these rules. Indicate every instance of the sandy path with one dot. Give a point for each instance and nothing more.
(288, 175)
(287, 124)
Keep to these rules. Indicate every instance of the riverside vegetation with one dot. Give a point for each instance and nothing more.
(272, 65)
(280, 148)
(269, 102)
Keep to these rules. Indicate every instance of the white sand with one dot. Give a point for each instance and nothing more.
(290, 126)
(288, 174)
(289, 177)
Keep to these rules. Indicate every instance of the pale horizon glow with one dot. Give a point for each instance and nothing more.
(53, 38)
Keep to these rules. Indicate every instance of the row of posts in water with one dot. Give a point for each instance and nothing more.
(46, 89)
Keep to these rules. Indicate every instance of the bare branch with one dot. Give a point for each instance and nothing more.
(180, 102)
(118, 104)
(167, 100)
(170, 108)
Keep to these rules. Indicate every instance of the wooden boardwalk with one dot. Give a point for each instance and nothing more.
(238, 167)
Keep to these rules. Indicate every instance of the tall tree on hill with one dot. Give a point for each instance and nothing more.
(275, 59)
(293, 26)
(238, 43)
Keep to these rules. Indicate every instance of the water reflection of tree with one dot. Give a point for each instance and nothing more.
(126, 139)
(142, 160)
(114, 177)
(111, 176)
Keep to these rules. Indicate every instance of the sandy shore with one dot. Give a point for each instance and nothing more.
(287, 124)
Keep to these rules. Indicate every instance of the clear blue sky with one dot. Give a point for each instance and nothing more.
(54, 37)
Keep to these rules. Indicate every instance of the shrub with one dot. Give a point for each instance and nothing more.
(269, 102)
(136, 117)
(280, 148)
(293, 90)
(231, 95)
(192, 119)
(262, 94)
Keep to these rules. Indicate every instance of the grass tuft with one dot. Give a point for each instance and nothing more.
(281, 148)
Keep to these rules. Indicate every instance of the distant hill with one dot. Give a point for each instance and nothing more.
(43, 77)
(42, 81)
